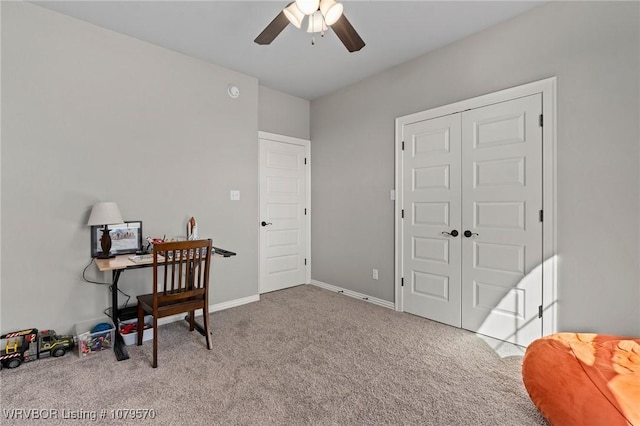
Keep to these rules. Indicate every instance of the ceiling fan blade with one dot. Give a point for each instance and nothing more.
(347, 34)
(272, 30)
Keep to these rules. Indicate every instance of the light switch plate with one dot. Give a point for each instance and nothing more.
(235, 195)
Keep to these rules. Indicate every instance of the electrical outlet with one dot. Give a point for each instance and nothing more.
(235, 195)
(375, 274)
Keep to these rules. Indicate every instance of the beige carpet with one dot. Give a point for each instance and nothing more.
(299, 356)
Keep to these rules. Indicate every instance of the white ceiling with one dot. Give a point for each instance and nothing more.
(222, 32)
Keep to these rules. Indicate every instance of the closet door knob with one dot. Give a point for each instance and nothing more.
(469, 234)
(266, 223)
(453, 233)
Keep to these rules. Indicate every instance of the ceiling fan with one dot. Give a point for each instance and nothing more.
(322, 15)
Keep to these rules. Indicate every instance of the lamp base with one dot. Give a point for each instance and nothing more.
(105, 256)
(105, 243)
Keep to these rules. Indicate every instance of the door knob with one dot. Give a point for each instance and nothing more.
(453, 233)
(468, 233)
(266, 223)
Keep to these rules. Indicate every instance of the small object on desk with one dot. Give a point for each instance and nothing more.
(144, 258)
(152, 241)
(192, 229)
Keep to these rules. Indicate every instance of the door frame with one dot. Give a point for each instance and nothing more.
(307, 153)
(547, 87)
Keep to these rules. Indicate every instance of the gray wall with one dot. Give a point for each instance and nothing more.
(283, 114)
(89, 115)
(593, 48)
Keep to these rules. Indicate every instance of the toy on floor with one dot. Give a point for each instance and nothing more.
(132, 327)
(30, 345)
(99, 338)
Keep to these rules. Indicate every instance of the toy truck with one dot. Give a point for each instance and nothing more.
(31, 344)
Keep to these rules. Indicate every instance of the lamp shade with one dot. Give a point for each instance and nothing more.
(308, 7)
(105, 213)
(294, 15)
(331, 11)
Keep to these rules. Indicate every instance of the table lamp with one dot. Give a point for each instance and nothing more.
(105, 214)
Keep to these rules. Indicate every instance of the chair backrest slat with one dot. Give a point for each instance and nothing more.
(186, 267)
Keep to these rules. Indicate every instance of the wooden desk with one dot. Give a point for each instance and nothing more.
(119, 264)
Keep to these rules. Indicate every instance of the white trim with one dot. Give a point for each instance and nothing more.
(374, 300)
(549, 205)
(234, 303)
(212, 308)
(547, 88)
(307, 153)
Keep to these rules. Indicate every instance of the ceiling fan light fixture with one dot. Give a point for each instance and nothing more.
(318, 16)
(308, 7)
(331, 10)
(316, 23)
(294, 15)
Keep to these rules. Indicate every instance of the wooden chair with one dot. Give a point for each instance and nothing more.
(180, 284)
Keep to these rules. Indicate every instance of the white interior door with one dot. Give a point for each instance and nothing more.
(502, 200)
(478, 172)
(284, 215)
(431, 245)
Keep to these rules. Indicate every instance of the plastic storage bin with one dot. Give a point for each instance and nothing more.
(132, 337)
(88, 342)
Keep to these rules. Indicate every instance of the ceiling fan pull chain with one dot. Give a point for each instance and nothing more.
(312, 23)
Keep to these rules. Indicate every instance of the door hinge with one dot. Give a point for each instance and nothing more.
(403, 145)
(540, 311)
(541, 216)
(541, 120)
(305, 160)
(402, 213)
(402, 282)
(305, 211)
(305, 261)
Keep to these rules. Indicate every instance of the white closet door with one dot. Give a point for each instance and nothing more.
(502, 198)
(478, 173)
(431, 194)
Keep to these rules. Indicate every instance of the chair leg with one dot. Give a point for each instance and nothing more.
(155, 342)
(192, 320)
(140, 323)
(207, 327)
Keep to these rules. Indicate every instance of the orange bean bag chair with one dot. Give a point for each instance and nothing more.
(584, 379)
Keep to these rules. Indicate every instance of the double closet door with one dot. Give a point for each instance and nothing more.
(472, 230)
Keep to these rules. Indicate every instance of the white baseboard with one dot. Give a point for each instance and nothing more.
(374, 300)
(233, 303)
(212, 308)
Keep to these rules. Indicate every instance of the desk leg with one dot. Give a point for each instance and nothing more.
(119, 348)
(196, 325)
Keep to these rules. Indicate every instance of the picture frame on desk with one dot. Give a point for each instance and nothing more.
(126, 238)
